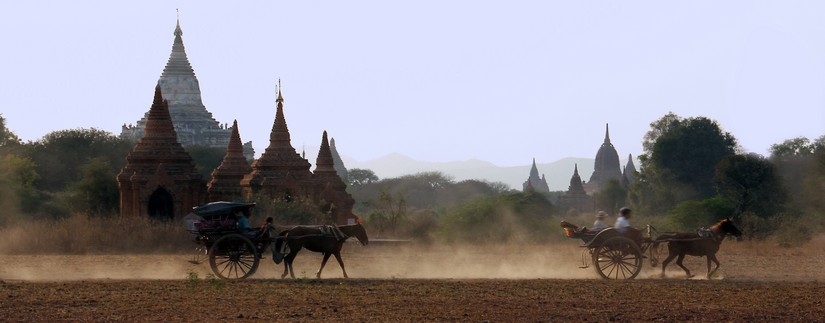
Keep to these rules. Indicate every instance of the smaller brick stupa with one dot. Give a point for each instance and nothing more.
(226, 179)
(333, 191)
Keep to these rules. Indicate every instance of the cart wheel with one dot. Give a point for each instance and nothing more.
(618, 258)
(233, 256)
(199, 255)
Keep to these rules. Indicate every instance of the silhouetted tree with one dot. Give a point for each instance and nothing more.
(679, 161)
(358, 177)
(96, 193)
(751, 183)
(7, 137)
(795, 161)
(611, 197)
(59, 155)
(206, 159)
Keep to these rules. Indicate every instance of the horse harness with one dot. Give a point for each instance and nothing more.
(707, 233)
(333, 231)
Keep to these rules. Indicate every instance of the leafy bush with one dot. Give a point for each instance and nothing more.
(689, 215)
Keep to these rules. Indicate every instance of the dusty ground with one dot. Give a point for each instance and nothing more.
(757, 282)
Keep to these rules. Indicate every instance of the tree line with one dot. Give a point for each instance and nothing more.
(691, 174)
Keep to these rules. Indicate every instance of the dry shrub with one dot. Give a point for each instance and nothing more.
(83, 234)
(755, 227)
(793, 231)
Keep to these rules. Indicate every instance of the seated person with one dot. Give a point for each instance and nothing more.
(242, 218)
(599, 224)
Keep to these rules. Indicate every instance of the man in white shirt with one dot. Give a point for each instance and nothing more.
(599, 224)
(623, 221)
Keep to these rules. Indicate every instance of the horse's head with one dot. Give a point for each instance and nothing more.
(361, 234)
(726, 226)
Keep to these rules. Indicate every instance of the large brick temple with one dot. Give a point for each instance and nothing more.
(160, 180)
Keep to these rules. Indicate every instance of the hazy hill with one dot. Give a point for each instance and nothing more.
(558, 173)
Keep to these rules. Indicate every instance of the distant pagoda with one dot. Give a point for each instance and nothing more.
(340, 168)
(575, 198)
(606, 167)
(534, 182)
(193, 124)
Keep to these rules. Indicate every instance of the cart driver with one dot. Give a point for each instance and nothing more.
(623, 221)
(242, 216)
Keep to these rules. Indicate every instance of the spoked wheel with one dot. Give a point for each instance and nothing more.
(618, 258)
(199, 255)
(233, 256)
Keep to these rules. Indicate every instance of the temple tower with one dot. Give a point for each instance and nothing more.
(339, 163)
(159, 179)
(534, 182)
(193, 124)
(226, 179)
(280, 172)
(629, 172)
(330, 188)
(606, 167)
(575, 198)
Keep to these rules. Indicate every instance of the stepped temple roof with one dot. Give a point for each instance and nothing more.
(226, 179)
(159, 178)
(193, 123)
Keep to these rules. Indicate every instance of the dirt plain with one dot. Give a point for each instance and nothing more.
(403, 282)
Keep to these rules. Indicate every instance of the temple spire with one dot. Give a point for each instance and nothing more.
(280, 132)
(534, 171)
(607, 133)
(178, 64)
(324, 162)
(178, 31)
(280, 99)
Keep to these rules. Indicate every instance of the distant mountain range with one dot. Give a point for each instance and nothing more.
(557, 173)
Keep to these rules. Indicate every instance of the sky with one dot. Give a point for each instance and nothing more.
(499, 81)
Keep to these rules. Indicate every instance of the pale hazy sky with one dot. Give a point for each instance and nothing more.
(501, 81)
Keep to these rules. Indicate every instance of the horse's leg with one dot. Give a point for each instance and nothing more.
(679, 262)
(341, 262)
(323, 263)
(286, 267)
(667, 260)
(288, 262)
(712, 257)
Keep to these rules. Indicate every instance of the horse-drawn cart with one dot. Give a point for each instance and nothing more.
(234, 253)
(614, 255)
(619, 255)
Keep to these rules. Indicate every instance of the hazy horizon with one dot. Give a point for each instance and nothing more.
(495, 81)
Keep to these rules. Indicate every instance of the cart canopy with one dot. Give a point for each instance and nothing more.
(220, 209)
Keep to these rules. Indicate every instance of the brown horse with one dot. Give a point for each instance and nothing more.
(324, 239)
(705, 243)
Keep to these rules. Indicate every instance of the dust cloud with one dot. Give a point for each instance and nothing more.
(376, 261)
(745, 261)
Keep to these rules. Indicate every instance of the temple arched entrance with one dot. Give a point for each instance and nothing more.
(161, 205)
